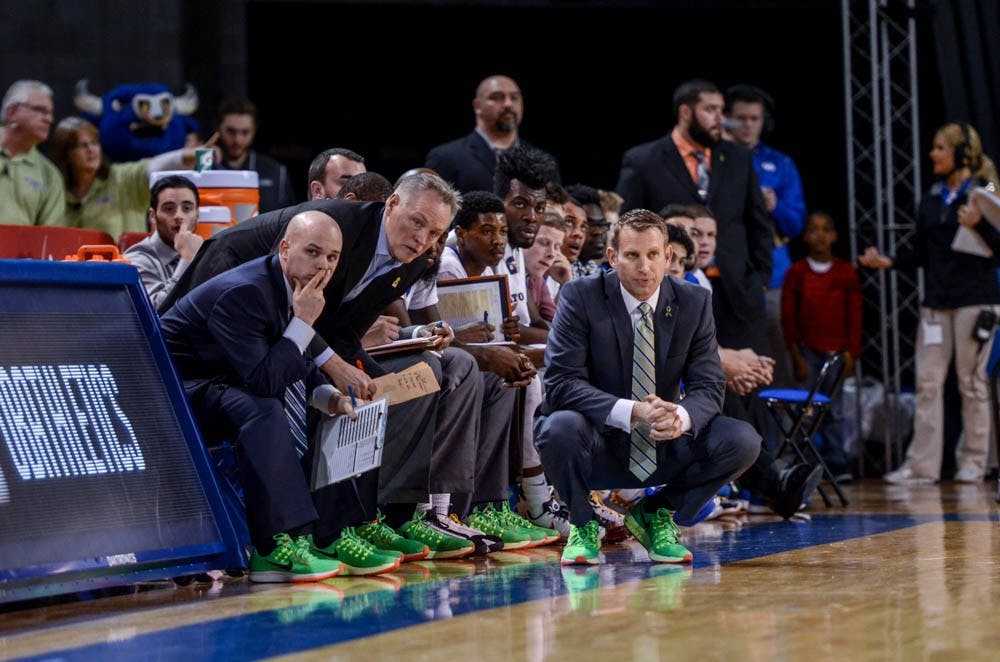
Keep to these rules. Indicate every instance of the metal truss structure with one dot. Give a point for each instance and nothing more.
(883, 178)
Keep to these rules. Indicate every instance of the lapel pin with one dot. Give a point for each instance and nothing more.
(722, 158)
(395, 283)
(668, 312)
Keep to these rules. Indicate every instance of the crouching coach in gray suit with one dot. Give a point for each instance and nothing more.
(623, 346)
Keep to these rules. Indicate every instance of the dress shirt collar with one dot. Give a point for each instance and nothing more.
(382, 248)
(632, 304)
(688, 148)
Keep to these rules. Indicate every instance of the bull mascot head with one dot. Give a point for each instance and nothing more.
(139, 120)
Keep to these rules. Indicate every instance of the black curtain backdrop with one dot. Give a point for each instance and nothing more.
(597, 79)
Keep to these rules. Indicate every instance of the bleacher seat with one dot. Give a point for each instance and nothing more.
(43, 242)
(129, 239)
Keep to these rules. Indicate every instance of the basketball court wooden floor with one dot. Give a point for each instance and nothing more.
(903, 574)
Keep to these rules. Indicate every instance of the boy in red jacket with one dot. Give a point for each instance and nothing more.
(821, 315)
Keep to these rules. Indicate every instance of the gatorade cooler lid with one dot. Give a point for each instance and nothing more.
(215, 214)
(213, 178)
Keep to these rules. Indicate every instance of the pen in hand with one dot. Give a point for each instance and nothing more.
(350, 391)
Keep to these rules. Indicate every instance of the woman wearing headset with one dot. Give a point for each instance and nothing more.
(958, 286)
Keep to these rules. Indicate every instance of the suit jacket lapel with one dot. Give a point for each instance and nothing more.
(664, 320)
(718, 165)
(482, 150)
(674, 163)
(623, 327)
(360, 255)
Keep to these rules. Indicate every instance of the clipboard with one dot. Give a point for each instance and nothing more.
(345, 448)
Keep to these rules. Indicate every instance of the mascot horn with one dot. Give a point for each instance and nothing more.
(139, 120)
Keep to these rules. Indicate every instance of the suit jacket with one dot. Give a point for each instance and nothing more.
(588, 355)
(341, 324)
(469, 162)
(653, 175)
(229, 330)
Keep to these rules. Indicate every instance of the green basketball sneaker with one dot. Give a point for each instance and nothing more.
(357, 555)
(381, 535)
(442, 545)
(291, 561)
(493, 523)
(584, 544)
(658, 533)
(539, 534)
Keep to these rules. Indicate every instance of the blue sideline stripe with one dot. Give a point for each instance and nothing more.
(281, 632)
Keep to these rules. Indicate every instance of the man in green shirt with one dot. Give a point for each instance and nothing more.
(31, 189)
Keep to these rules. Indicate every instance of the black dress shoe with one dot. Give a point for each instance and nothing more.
(796, 483)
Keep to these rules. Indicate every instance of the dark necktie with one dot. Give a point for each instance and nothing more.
(702, 174)
(295, 410)
(642, 454)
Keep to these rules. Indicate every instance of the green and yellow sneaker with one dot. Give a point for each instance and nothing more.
(357, 555)
(381, 535)
(291, 561)
(658, 533)
(584, 544)
(539, 534)
(442, 546)
(492, 523)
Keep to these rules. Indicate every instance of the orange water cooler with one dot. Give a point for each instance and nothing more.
(236, 190)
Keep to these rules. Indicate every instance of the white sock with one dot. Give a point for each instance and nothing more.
(536, 490)
(632, 494)
(440, 504)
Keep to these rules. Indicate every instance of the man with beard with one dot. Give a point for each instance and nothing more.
(591, 256)
(471, 161)
(693, 164)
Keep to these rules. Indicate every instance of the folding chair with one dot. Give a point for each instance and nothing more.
(799, 414)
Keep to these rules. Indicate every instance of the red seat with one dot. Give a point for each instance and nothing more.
(128, 239)
(44, 242)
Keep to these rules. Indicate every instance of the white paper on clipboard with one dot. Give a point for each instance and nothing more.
(346, 448)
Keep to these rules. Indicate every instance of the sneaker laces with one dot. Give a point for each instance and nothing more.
(663, 527)
(350, 539)
(380, 531)
(588, 535)
(422, 529)
(510, 517)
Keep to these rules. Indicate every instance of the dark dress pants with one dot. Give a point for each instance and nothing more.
(578, 458)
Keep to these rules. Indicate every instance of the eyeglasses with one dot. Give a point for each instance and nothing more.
(41, 110)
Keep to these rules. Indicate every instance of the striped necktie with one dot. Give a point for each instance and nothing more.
(295, 410)
(642, 454)
(702, 173)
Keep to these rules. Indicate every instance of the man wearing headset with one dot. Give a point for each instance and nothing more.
(749, 111)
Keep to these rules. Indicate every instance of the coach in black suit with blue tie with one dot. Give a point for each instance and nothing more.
(621, 346)
(239, 342)
(693, 164)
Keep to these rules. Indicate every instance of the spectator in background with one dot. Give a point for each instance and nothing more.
(750, 111)
(31, 190)
(959, 287)
(112, 197)
(471, 161)
(237, 129)
(611, 203)
(164, 255)
(591, 256)
(368, 186)
(821, 315)
(561, 271)
(538, 259)
(692, 164)
(330, 169)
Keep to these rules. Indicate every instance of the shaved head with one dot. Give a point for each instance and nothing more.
(312, 242)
